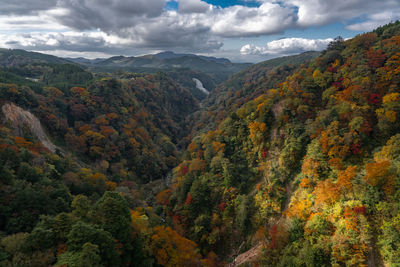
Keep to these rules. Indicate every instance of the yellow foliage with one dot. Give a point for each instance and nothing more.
(316, 74)
(96, 176)
(258, 132)
(218, 147)
(387, 152)
(140, 222)
(392, 97)
(390, 116)
(300, 209)
(197, 165)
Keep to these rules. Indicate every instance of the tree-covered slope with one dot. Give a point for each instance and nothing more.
(18, 57)
(245, 86)
(307, 173)
(89, 202)
(302, 169)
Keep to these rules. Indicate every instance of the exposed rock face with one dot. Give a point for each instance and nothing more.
(21, 118)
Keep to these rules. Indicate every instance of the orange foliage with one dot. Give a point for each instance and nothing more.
(171, 249)
(107, 130)
(192, 147)
(110, 186)
(211, 260)
(377, 173)
(332, 144)
(310, 168)
(197, 165)
(21, 142)
(305, 182)
(162, 198)
(101, 120)
(345, 178)
(336, 163)
(61, 248)
(326, 192)
(218, 147)
(112, 116)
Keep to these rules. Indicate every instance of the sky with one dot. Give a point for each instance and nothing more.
(241, 30)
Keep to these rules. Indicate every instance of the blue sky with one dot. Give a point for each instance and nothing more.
(241, 30)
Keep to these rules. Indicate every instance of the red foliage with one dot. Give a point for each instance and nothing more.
(273, 232)
(189, 199)
(374, 99)
(375, 58)
(337, 84)
(264, 154)
(360, 210)
(355, 149)
(184, 170)
(222, 206)
(331, 69)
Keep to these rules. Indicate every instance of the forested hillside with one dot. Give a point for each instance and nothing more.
(243, 87)
(292, 162)
(115, 135)
(306, 174)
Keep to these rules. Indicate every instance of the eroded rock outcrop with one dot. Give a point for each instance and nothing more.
(21, 119)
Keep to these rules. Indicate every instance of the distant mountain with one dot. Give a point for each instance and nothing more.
(219, 69)
(84, 61)
(18, 57)
(169, 59)
(170, 55)
(183, 68)
(244, 86)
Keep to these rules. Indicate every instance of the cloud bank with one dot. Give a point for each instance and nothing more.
(286, 46)
(132, 26)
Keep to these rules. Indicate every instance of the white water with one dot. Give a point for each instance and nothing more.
(200, 86)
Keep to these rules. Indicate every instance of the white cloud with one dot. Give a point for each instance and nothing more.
(195, 27)
(286, 46)
(193, 6)
(321, 12)
(375, 20)
(238, 21)
(72, 41)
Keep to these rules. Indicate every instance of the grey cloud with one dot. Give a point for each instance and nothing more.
(193, 6)
(195, 27)
(108, 15)
(19, 7)
(112, 45)
(321, 12)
